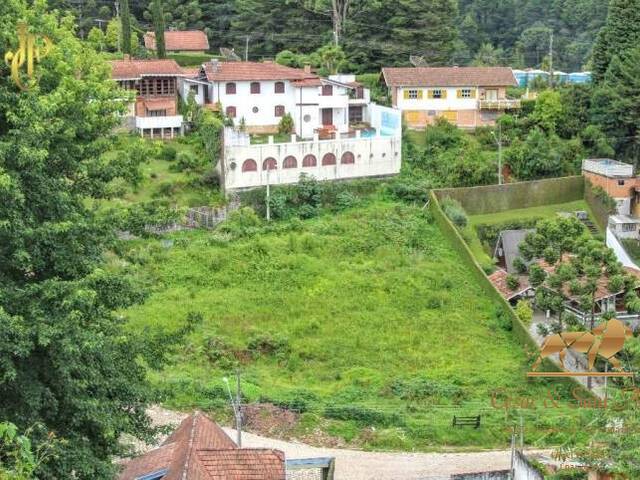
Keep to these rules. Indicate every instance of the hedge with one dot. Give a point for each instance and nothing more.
(598, 207)
(458, 243)
(499, 198)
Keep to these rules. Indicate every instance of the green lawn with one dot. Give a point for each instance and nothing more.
(366, 323)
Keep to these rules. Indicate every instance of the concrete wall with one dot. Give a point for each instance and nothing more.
(375, 156)
(523, 470)
(498, 475)
(499, 198)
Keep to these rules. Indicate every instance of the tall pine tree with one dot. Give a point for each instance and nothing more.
(125, 20)
(158, 24)
(620, 33)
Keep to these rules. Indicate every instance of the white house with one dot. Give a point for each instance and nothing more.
(258, 95)
(468, 97)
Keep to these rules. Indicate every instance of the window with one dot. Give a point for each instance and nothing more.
(437, 94)
(255, 87)
(327, 90)
(628, 227)
(194, 88)
(278, 87)
(231, 112)
(347, 157)
(466, 93)
(329, 159)
(255, 109)
(279, 111)
(309, 161)
(230, 88)
(306, 118)
(269, 164)
(355, 114)
(621, 183)
(157, 113)
(249, 165)
(289, 162)
(413, 94)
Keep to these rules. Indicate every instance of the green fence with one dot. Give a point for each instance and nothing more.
(598, 208)
(499, 198)
(457, 242)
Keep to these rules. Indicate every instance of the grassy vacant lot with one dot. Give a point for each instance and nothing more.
(364, 327)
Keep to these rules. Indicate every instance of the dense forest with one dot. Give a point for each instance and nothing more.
(374, 33)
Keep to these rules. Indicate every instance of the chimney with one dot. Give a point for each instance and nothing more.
(215, 64)
(307, 69)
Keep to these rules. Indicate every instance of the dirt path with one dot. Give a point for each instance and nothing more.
(360, 465)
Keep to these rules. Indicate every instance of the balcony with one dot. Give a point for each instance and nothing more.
(173, 121)
(501, 104)
(333, 101)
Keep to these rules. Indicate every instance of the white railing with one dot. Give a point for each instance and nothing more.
(173, 121)
(503, 104)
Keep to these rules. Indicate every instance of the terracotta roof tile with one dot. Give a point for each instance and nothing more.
(179, 40)
(499, 280)
(449, 77)
(135, 69)
(200, 450)
(230, 71)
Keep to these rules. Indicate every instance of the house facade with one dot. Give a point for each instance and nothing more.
(468, 97)
(617, 179)
(179, 41)
(258, 94)
(154, 113)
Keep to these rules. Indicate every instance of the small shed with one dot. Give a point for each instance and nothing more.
(508, 247)
(624, 226)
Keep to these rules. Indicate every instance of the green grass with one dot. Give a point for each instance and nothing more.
(259, 139)
(368, 318)
(545, 211)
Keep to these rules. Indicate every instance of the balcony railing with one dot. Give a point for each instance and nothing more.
(503, 104)
(172, 121)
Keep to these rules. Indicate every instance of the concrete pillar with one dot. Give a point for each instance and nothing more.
(316, 137)
(151, 133)
(270, 140)
(294, 138)
(358, 133)
(338, 135)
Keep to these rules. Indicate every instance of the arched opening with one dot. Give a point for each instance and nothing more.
(269, 164)
(249, 165)
(329, 159)
(309, 161)
(347, 157)
(289, 162)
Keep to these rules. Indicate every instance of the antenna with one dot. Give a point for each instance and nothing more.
(229, 54)
(418, 61)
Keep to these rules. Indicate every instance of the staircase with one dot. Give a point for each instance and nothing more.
(590, 226)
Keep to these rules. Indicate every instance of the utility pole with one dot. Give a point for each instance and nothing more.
(551, 59)
(246, 49)
(236, 404)
(498, 140)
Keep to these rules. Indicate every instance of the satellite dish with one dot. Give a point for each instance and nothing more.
(229, 54)
(418, 61)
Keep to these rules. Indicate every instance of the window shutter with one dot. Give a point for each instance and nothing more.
(473, 93)
(430, 94)
(406, 94)
(459, 93)
(444, 94)
(419, 94)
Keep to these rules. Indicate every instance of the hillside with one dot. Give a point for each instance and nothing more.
(364, 327)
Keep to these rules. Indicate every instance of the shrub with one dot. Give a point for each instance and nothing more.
(265, 344)
(455, 212)
(362, 415)
(286, 124)
(536, 275)
(524, 311)
(520, 265)
(168, 153)
(346, 200)
(502, 320)
(512, 282)
(241, 223)
(211, 178)
(217, 351)
(186, 160)
(543, 330)
(616, 283)
(420, 388)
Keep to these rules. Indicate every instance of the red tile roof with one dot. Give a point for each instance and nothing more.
(200, 450)
(136, 69)
(449, 77)
(499, 281)
(239, 71)
(191, 72)
(179, 41)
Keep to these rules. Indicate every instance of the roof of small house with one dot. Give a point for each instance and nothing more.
(129, 69)
(499, 280)
(510, 241)
(200, 450)
(621, 219)
(179, 40)
(247, 71)
(449, 77)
